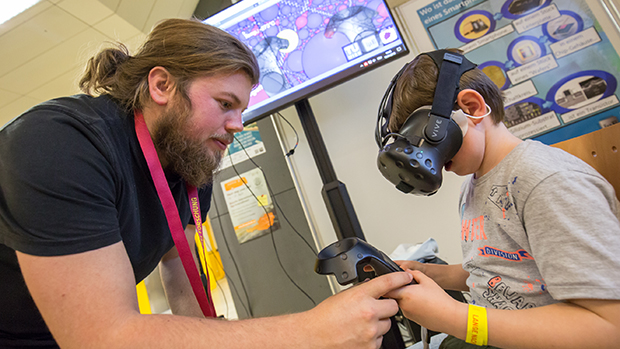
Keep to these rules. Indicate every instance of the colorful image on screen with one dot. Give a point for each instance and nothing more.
(304, 47)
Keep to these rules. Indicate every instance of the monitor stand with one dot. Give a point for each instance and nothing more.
(337, 200)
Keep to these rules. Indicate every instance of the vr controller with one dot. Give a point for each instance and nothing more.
(347, 258)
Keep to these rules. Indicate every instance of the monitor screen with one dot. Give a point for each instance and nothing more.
(304, 47)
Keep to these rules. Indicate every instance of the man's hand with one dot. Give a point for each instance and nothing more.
(356, 317)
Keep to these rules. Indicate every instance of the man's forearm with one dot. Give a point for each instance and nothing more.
(170, 331)
(85, 305)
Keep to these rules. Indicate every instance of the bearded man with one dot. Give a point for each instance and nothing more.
(83, 215)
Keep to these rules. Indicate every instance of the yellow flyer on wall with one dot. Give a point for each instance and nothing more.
(250, 206)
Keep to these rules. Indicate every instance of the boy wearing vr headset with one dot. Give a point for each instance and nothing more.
(540, 228)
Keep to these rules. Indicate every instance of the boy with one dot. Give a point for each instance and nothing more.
(540, 234)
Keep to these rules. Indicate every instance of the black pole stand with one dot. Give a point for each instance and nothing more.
(337, 200)
(334, 192)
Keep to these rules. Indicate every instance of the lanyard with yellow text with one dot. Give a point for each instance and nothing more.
(172, 215)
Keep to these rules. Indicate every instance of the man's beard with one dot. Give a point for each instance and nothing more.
(189, 158)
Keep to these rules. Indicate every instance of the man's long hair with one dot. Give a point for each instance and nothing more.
(187, 48)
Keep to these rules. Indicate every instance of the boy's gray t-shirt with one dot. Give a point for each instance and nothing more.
(539, 228)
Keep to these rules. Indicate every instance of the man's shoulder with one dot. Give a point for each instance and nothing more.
(82, 107)
(64, 116)
(64, 125)
(79, 107)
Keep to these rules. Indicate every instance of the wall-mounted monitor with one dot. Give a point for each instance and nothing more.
(306, 46)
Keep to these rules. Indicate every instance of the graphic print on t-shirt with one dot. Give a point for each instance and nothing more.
(473, 229)
(516, 256)
(501, 296)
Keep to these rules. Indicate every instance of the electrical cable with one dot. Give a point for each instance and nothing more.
(267, 214)
(271, 230)
(248, 310)
(278, 205)
(212, 272)
(292, 151)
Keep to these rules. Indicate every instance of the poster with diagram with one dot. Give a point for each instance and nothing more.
(250, 205)
(555, 61)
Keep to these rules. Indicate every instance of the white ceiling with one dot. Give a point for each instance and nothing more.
(45, 48)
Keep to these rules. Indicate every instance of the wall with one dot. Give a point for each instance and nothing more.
(270, 274)
(46, 47)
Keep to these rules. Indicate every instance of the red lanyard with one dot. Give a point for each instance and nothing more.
(172, 215)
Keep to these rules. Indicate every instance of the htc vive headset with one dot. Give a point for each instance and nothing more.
(413, 157)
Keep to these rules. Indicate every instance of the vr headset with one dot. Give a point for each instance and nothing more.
(413, 157)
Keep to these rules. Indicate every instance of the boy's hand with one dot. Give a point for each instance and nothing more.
(428, 304)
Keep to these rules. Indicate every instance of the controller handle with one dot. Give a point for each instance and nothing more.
(345, 259)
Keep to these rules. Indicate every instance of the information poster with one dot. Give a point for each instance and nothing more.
(555, 64)
(248, 139)
(250, 206)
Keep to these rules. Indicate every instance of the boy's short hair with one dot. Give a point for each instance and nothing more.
(416, 88)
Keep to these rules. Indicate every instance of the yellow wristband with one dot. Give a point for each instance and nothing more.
(477, 328)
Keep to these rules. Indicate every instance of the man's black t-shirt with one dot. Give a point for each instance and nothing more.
(72, 179)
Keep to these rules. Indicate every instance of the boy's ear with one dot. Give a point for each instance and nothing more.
(472, 103)
(161, 85)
